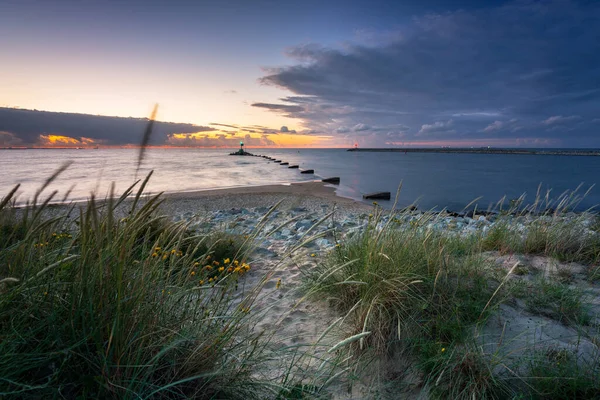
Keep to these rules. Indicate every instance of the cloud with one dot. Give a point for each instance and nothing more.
(8, 139)
(66, 141)
(216, 140)
(436, 128)
(279, 107)
(38, 128)
(525, 60)
(224, 125)
(559, 119)
(360, 128)
(494, 126)
(285, 129)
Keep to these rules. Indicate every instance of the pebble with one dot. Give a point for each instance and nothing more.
(346, 225)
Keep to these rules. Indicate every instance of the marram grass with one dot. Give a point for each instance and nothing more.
(421, 296)
(109, 300)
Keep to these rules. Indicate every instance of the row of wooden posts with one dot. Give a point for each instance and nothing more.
(334, 180)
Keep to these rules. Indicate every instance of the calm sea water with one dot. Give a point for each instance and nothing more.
(435, 180)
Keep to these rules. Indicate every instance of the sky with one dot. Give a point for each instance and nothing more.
(300, 73)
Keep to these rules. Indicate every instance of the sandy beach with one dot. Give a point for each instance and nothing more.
(293, 231)
(282, 304)
(311, 195)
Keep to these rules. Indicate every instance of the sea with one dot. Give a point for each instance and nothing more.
(429, 180)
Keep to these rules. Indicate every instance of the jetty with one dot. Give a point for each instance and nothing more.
(241, 151)
(484, 150)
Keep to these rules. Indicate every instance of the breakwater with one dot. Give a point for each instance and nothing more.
(549, 152)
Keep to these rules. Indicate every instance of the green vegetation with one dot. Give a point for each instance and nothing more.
(563, 239)
(558, 301)
(110, 300)
(426, 295)
(558, 374)
(420, 290)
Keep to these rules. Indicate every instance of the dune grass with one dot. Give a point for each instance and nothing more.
(552, 229)
(416, 290)
(425, 295)
(111, 300)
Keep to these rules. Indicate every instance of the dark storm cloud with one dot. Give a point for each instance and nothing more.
(279, 107)
(24, 127)
(224, 125)
(527, 70)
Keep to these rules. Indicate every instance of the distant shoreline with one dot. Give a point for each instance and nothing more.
(549, 152)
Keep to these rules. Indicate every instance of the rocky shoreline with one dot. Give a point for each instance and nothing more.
(343, 222)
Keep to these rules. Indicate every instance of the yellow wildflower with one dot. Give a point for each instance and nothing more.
(374, 203)
(173, 251)
(226, 261)
(154, 255)
(157, 249)
(236, 262)
(313, 255)
(221, 269)
(201, 281)
(443, 349)
(278, 285)
(196, 264)
(165, 257)
(215, 263)
(208, 268)
(193, 273)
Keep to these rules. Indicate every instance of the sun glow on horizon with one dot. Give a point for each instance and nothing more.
(53, 140)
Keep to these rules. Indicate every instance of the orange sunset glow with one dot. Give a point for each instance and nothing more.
(250, 139)
(65, 141)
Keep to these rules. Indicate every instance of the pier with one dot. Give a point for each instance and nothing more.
(484, 150)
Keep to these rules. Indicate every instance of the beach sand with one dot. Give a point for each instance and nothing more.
(281, 310)
(311, 195)
(279, 266)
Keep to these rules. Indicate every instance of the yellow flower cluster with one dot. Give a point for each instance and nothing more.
(158, 252)
(241, 268)
(55, 236)
(61, 235)
(215, 271)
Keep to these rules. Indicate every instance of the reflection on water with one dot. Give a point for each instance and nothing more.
(437, 180)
